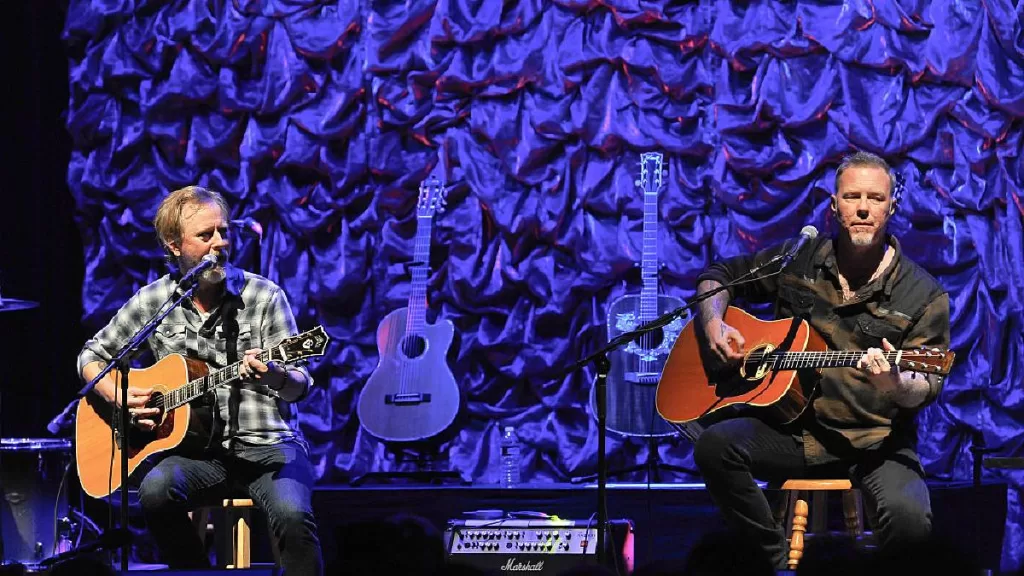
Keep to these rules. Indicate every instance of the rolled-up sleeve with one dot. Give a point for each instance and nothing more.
(278, 324)
(725, 271)
(111, 338)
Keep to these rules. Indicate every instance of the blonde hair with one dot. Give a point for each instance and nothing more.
(167, 221)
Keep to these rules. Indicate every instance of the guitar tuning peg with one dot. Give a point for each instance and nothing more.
(636, 183)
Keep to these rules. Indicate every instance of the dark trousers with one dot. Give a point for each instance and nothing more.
(732, 453)
(278, 478)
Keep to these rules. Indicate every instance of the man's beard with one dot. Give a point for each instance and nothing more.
(214, 275)
(862, 239)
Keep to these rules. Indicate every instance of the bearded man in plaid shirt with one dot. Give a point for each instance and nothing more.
(256, 447)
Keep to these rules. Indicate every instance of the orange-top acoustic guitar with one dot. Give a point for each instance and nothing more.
(777, 351)
(176, 381)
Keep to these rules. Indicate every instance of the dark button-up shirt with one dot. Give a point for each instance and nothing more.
(904, 304)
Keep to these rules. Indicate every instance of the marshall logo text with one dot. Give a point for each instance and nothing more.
(513, 566)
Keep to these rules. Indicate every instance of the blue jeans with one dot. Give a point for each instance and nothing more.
(732, 453)
(278, 478)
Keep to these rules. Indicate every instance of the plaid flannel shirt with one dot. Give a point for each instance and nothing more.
(249, 412)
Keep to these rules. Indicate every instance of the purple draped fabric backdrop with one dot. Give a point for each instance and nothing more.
(319, 119)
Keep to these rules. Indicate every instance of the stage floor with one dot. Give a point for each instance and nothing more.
(668, 519)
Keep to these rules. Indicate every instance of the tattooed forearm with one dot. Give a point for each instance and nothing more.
(714, 307)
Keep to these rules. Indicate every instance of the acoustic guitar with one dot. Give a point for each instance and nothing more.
(178, 385)
(635, 368)
(778, 372)
(411, 394)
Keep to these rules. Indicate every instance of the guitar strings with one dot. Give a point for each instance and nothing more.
(806, 359)
(199, 386)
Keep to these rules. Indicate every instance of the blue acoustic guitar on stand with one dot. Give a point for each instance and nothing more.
(412, 395)
(636, 368)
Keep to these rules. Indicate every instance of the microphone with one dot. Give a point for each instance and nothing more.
(807, 233)
(63, 420)
(208, 261)
(249, 227)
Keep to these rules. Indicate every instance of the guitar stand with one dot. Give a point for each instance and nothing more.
(425, 471)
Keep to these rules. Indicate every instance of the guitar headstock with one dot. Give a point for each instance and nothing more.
(932, 361)
(306, 345)
(652, 172)
(433, 195)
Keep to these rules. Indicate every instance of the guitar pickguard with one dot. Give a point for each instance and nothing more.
(629, 321)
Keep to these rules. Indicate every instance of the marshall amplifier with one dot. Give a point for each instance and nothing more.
(550, 546)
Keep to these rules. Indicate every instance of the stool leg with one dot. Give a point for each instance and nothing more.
(241, 535)
(852, 513)
(819, 514)
(796, 542)
(781, 510)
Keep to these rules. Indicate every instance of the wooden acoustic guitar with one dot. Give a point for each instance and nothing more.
(178, 384)
(778, 372)
(635, 368)
(411, 394)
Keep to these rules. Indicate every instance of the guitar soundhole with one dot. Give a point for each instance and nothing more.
(413, 346)
(156, 401)
(650, 340)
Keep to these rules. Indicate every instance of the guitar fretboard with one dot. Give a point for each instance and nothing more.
(828, 359)
(416, 318)
(650, 178)
(196, 388)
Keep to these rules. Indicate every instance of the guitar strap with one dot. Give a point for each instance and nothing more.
(226, 316)
(230, 307)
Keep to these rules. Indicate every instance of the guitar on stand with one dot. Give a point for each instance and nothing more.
(412, 396)
(636, 369)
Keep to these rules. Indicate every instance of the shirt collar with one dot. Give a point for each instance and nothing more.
(825, 257)
(235, 280)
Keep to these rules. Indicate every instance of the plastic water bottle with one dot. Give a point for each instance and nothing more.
(510, 449)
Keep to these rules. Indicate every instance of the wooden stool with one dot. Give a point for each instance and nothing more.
(798, 508)
(238, 514)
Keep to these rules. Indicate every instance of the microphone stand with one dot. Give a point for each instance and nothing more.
(121, 420)
(602, 364)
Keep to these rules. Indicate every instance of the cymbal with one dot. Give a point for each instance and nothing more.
(12, 304)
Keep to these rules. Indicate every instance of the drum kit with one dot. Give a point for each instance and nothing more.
(34, 511)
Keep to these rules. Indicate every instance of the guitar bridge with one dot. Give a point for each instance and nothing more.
(409, 399)
(644, 378)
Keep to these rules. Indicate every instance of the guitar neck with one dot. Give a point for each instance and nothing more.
(824, 359)
(649, 263)
(650, 180)
(416, 318)
(199, 386)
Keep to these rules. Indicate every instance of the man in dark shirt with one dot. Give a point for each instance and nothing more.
(860, 292)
